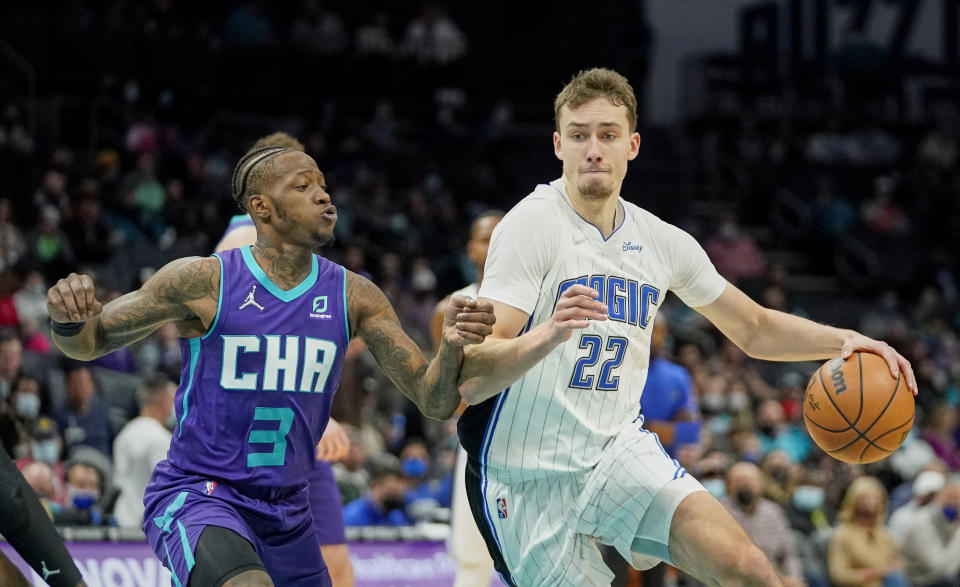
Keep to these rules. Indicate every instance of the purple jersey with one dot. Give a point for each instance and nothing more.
(256, 389)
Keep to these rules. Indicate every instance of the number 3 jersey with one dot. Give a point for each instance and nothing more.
(562, 413)
(256, 389)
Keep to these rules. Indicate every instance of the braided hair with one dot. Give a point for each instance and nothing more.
(250, 172)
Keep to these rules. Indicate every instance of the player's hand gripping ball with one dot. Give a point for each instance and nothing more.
(855, 410)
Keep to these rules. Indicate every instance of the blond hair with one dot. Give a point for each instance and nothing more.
(598, 82)
(860, 487)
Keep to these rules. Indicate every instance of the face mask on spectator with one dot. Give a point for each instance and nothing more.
(171, 422)
(745, 497)
(950, 512)
(808, 498)
(28, 406)
(81, 499)
(393, 503)
(780, 474)
(413, 467)
(45, 451)
(739, 401)
(716, 487)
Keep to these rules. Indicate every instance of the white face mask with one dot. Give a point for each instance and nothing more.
(28, 405)
(716, 487)
(45, 451)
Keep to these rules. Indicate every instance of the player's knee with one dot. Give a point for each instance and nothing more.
(250, 579)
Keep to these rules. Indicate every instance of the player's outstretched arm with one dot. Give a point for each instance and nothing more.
(185, 290)
(431, 385)
(768, 334)
(504, 357)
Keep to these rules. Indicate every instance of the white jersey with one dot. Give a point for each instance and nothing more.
(567, 408)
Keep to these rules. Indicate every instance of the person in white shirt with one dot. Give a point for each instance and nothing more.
(140, 445)
(925, 488)
(558, 457)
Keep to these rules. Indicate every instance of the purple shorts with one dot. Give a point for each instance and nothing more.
(325, 505)
(276, 521)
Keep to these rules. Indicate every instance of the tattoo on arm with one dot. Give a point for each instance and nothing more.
(165, 297)
(433, 386)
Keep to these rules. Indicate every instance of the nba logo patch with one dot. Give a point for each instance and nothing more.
(502, 508)
(208, 487)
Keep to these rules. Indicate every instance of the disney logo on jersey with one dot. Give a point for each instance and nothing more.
(630, 246)
(627, 299)
(319, 308)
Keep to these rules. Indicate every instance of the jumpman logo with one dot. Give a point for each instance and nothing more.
(249, 301)
(47, 573)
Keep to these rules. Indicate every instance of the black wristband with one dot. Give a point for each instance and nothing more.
(66, 328)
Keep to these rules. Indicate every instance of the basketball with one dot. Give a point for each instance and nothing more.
(855, 410)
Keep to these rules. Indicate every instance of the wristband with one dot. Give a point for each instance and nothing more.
(66, 328)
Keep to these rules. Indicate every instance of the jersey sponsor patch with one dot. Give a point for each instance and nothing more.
(502, 507)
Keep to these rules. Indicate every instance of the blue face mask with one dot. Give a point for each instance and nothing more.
(45, 451)
(28, 406)
(81, 499)
(716, 487)
(950, 512)
(171, 422)
(413, 467)
(808, 498)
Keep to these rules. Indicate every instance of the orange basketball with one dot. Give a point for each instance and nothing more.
(855, 410)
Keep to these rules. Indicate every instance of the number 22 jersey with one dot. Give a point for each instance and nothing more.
(559, 415)
(256, 389)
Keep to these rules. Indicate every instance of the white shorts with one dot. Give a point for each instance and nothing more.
(546, 526)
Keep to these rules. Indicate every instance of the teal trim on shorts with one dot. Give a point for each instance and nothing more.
(287, 295)
(173, 573)
(187, 551)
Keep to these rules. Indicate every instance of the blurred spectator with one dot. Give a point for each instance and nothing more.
(352, 478)
(318, 29)
(881, 213)
(925, 488)
(85, 419)
(735, 254)
(939, 430)
(11, 356)
(85, 485)
(433, 38)
(160, 352)
(18, 416)
(668, 403)
(40, 477)
(763, 520)
(49, 246)
(777, 434)
(931, 544)
(778, 477)
(383, 503)
(31, 305)
(88, 231)
(425, 495)
(373, 38)
(13, 245)
(140, 445)
(862, 551)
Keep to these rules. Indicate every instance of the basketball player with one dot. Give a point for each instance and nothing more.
(264, 331)
(559, 458)
(324, 493)
(27, 527)
(474, 565)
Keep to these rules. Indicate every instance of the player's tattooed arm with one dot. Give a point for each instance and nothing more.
(184, 291)
(432, 385)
